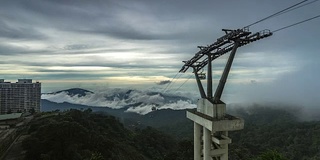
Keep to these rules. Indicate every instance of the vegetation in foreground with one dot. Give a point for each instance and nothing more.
(277, 129)
(84, 135)
(269, 134)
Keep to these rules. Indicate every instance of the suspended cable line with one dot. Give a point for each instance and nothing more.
(296, 23)
(298, 7)
(170, 82)
(183, 83)
(277, 13)
(173, 82)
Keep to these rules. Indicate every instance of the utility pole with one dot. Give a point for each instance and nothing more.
(211, 123)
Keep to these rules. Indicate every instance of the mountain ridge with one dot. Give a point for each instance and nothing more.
(139, 101)
(73, 91)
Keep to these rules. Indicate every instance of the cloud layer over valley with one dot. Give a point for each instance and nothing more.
(137, 101)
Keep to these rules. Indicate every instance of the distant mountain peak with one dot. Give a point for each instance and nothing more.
(75, 91)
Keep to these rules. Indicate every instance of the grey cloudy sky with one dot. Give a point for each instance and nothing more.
(141, 43)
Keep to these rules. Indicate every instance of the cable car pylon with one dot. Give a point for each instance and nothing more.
(211, 123)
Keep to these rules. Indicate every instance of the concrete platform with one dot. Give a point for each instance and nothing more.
(226, 123)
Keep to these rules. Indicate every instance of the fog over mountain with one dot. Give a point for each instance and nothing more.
(137, 101)
(144, 101)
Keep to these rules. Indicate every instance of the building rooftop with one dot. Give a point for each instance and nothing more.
(10, 116)
(19, 81)
(24, 81)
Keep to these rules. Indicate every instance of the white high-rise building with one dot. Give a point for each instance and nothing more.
(21, 96)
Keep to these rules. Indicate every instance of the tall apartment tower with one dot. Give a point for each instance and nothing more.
(21, 96)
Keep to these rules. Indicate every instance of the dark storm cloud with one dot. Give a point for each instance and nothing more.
(102, 17)
(89, 63)
(71, 76)
(201, 20)
(19, 32)
(128, 33)
(14, 50)
(48, 64)
(9, 50)
(77, 47)
(98, 17)
(163, 82)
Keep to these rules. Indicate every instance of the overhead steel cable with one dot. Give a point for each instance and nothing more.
(277, 13)
(309, 19)
(173, 82)
(297, 7)
(170, 82)
(183, 83)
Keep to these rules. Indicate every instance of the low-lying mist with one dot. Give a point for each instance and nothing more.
(299, 113)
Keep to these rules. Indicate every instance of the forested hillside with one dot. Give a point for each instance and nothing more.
(83, 135)
(280, 129)
(269, 132)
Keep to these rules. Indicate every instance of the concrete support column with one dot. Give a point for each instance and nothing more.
(224, 156)
(225, 146)
(206, 144)
(197, 141)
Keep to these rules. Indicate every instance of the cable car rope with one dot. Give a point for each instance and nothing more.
(183, 83)
(298, 7)
(309, 19)
(277, 13)
(170, 82)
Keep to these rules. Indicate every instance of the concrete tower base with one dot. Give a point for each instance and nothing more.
(211, 126)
